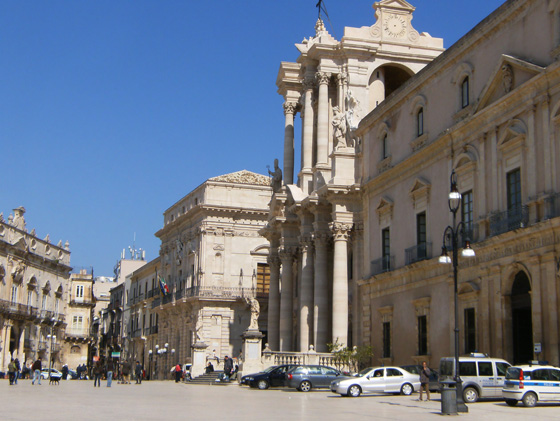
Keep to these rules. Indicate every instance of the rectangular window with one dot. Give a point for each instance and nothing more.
(386, 249)
(77, 322)
(79, 291)
(14, 294)
(44, 302)
(56, 305)
(420, 122)
(467, 214)
(30, 298)
(422, 335)
(465, 92)
(263, 278)
(421, 235)
(514, 191)
(385, 146)
(470, 331)
(387, 340)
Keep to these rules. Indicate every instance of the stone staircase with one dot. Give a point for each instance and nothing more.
(210, 379)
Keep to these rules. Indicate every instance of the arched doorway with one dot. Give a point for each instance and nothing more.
(522, 321)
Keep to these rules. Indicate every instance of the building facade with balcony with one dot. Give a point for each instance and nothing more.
(488, 108)
(214, 261)
(78, 338)
(34, 277)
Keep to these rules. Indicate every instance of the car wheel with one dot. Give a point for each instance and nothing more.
(530, 399)
(470, 395)
(305, 386)
(406, 389)
(511, 402)
(262, 384)
(354, 391)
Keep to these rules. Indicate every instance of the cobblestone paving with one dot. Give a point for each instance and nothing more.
(79, 400)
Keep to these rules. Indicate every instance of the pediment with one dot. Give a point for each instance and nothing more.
(394, 5)
(420, 192)
(385, 205)
(21, 244)
(510, 73)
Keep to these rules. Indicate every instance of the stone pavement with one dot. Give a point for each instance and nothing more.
(78, 399)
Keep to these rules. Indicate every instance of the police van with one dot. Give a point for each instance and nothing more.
(531, 383)
(482, 376)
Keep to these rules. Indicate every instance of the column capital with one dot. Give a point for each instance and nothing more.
(340, 231)
(290, 107)
(322, 78)
(273, 260)
(287, 254)
(309, 83)
(341, 78)
(306, 242)
(321, 238)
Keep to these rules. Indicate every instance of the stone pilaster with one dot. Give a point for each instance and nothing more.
(289, 112)
(274, 302)
(307, 140)
(323, 117)
(286, 298)
(306, 294)
(340, 283)
(321, 293)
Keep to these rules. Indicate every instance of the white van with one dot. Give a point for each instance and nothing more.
(482, 376)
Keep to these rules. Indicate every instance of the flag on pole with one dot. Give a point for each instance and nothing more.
(163, 286)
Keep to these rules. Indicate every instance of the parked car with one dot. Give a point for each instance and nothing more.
(72, 374)
(434, 375)
(482, 376)
(307, 377)
(531, 383)
(377, 380)
(54, 373)
(271, 377)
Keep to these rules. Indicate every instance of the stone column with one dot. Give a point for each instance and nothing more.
(306, 293)
(323, 117)
(274, 302)
(289, 111)
(321, 293)
(286, 299)
(357, 251)
(340, 284)
(307, 141)
(341, 81)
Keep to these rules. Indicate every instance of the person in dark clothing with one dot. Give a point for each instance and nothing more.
(37, 367)
(228, 366)
(209, 367)
(97, 370)
(126, 372)
(18, 368)
(425, 381)
(138, 372)
(64, 372)
(12, 371)
(178, 373)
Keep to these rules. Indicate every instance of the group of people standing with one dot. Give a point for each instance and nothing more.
(110, 368)
(14, 368)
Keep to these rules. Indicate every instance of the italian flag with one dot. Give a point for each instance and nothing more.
(163, 286)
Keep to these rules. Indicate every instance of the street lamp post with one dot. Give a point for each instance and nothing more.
(451, 236)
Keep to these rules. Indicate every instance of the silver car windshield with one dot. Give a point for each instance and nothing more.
(364, 372)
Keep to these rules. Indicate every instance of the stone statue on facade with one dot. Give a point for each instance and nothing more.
(19, 220)
(276, 181)
(255, 312)
(507, 78)
(339, 124)
(17, 271)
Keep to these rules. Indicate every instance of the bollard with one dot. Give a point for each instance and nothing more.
(448, 397)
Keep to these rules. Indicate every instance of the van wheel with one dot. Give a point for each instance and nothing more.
(470, 395)
(511, 402)
(530, 399)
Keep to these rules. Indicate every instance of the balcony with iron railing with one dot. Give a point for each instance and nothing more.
(77, 332)
(151, 330)
(552, 206)
(18, 310)
(422, 251)
(219, 292)
(512, 219)
(384, 264)
(137, 333)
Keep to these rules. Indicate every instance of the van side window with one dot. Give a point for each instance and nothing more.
(502, 368)
(485, 369)
(467, 368)
(541, 374)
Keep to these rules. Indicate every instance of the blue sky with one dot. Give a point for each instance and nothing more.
(113, 110)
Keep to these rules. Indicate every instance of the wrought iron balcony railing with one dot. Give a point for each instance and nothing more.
(418, 252)
(509, 220)
(384, 264)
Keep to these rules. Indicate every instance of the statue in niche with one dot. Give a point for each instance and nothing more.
(507, 78)
(276, 181)
(339, 124)
(255, 311)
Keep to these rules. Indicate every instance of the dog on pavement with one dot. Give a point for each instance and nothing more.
(54, 380)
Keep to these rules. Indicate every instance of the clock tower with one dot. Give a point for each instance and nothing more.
(393, 21)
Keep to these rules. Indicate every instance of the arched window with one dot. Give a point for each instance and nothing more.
(420, 122)
(465, 92)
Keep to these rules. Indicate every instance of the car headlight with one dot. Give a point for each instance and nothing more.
(249, 379)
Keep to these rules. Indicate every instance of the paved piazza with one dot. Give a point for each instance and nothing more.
(167, 400)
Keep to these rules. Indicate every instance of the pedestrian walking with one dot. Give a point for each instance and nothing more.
(110, 369)
(12, 371)
(97, 370)
(228, 366)
(18, 368)
(425, 381)
(138, 372)
(126, 372)
(178, 373)
(36, 368)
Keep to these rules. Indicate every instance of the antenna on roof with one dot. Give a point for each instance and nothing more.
(321, 8)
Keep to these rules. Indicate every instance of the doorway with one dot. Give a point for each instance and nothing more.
(522, 321)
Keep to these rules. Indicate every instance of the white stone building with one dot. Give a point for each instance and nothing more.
(34, 277)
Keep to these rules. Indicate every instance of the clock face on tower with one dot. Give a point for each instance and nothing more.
(395, 26)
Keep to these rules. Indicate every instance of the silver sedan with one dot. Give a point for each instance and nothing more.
(377, 380)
